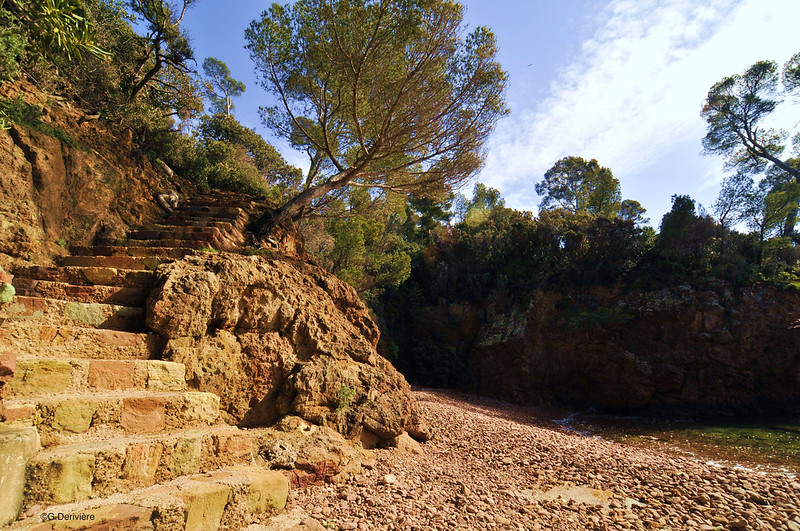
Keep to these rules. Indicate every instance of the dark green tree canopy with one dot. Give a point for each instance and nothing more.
(219, 87)
(632, 210)
(222, 132)
(735, 110)
(382, 94)
(579, 186)
(166, 59)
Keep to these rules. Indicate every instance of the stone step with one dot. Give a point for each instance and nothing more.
(127, 463)
(218, 202)
(115, 262)
(90, 275)
(195, 244)
(45, 376)
(131, 250)
(169, 224)
(239, 223)
(175, 233)
(17, 446)
(31, 339)
(213, 210)
(56, 312)
(227, 498)
(28, 287)
(198, 215)
(65, 419)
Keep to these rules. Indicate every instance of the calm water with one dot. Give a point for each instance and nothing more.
(771, 444)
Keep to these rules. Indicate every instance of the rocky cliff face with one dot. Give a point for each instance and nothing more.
(271, 337)
(68, 192)
(671, 351)
(276, 337)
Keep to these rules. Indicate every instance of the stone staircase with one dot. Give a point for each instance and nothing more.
(99, 432)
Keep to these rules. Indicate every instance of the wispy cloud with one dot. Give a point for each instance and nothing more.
(637, 86)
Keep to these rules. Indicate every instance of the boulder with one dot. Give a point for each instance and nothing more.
(277, 337)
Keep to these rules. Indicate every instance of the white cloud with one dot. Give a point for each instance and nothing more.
(637, 87)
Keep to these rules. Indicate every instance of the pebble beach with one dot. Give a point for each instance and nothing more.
(492, 465)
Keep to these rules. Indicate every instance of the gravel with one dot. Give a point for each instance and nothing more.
(497, 466)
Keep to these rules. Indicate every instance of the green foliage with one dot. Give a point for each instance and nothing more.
(262, 252)
(484, 199)
(61, 242)
(631, 210)
(13, 43)
(55, 27)
(17, 111)
(424, 218)
(381, 94)
(361, 241)
(575, 185)
(220, 88)
(599, 316)
(345, 399)
(234, 157)
(7, 292)
(735, 110)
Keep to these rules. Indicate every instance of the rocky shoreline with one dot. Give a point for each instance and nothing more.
(497, 466)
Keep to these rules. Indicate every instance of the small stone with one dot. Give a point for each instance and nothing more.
(389, 479)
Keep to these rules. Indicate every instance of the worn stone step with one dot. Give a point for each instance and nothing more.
(64, 419)
(219, 202)
(29, 287)
(115, 262)
(213, 210)
(69, 313)
(90, 275)
(123, 464)
(175, 233)
(199, 215)
(227, 498)
(32, 339)
(45, 376)
(201, 242)
(131, 250)
(169, 224)
(17, 446)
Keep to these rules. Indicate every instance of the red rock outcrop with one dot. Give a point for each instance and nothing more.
(68, 192)
(670, 351)
(276, 337)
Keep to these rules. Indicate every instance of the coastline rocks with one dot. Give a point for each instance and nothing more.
(281, 337)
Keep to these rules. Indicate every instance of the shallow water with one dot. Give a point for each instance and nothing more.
(769, 444)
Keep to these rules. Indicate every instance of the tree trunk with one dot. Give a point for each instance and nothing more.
(268, 221)
(791, 220)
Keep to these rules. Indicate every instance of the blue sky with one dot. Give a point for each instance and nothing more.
(622, 81)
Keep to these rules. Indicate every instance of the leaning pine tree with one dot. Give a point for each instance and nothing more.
(381, 94)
